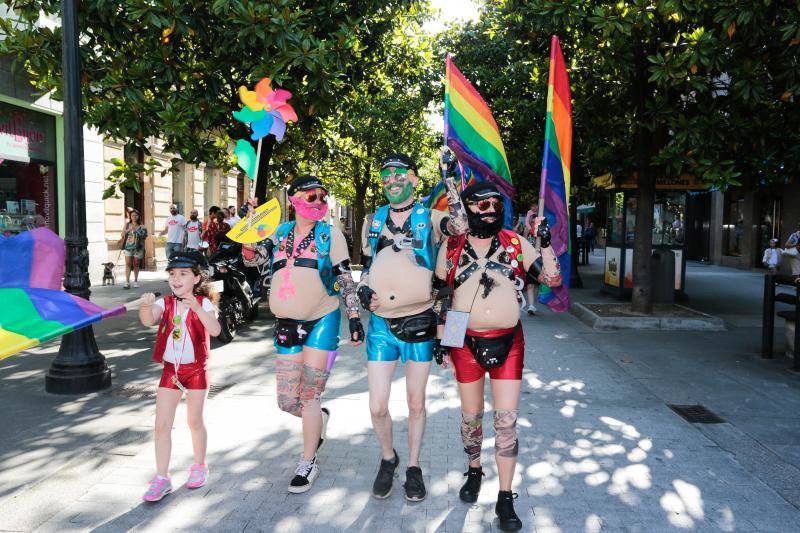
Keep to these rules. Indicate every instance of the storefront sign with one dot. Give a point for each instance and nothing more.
(683, 183)
(26, 135)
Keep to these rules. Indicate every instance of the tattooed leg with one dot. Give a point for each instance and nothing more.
(289, 374)
(314, 380)
(457, 222)
(472, 434)
(505, 429)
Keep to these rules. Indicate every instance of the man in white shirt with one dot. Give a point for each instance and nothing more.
(232, 219)
(193, 230)
(174, 229)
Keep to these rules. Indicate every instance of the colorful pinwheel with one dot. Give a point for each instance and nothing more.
(266, 110)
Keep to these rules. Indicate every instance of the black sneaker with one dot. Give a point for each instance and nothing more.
(382, 487)
(507, 519)
(326, 414)
(469, 492)
(415, 487)
(304, 476)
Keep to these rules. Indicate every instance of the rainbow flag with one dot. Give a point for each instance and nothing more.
(555, 180)
(471, 132)
(33, 309)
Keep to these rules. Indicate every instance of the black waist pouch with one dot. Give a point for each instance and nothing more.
(491, 352)
(289, 333)
(414, 328)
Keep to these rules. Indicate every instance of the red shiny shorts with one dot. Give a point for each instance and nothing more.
(467, 369)
(192, 376)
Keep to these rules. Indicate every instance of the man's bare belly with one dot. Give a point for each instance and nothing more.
(310, 300)
(499, 310)
(403, 288)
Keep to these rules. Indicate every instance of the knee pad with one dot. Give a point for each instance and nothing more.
(472, 434)
(505, 429)
(313, 385)
(289, 374)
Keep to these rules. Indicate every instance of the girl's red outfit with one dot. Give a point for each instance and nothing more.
(467, 369)
(191, 375)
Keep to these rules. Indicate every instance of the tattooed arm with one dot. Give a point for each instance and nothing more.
(457, 222)
(340, 258)
(542, 266)
(259, 255)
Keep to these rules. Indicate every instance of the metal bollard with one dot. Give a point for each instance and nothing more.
(768, 319)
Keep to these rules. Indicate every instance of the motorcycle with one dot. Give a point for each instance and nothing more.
(238, 302)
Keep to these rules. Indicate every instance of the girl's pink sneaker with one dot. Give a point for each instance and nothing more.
(159, 487)
(198, 474)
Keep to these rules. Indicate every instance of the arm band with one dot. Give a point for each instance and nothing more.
(535, 271)
(443, 226)
(366, 262)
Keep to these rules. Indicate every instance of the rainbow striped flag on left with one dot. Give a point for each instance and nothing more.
(33, 309)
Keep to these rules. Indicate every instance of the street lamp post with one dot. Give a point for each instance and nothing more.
(79, 366)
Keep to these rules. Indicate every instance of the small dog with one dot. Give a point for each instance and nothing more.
(108, 274)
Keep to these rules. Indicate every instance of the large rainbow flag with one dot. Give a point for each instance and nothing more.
(33, 309)
(554, 187)
(472, 134)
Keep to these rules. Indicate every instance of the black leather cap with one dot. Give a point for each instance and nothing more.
(305, 183)
(480, 191)
(187, 259)
(398, 161)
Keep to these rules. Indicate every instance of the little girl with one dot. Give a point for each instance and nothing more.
(186, 319)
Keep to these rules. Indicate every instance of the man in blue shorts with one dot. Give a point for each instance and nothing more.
(399, 245)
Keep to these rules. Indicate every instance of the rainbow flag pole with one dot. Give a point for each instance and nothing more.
(555, 180)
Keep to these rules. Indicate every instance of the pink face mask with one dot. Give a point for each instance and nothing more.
(315, 211)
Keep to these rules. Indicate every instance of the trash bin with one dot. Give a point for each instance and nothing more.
(662, 265)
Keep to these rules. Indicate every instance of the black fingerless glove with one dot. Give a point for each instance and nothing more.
(439, 351)
(356, 330)
(364, 294)
(543, 232)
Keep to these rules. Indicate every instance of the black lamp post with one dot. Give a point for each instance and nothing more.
(79, 366)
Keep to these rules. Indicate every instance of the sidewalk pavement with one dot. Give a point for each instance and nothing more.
(599, 448)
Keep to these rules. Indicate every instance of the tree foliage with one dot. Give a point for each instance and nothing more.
(171, 68)
(660, 87)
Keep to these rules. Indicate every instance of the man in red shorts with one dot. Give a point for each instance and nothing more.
(484, 272)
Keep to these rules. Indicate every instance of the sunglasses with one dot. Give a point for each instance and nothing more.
(318, 194)
(399, 174)
(483, 205)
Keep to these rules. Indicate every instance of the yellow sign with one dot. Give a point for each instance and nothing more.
(684, 182)
(259, 226)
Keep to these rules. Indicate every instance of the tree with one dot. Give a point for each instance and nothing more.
(662, 87)
(171, 68)
(384, 112)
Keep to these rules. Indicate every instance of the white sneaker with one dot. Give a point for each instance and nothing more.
(326, 414)
(135, 284)
(304, 476)
(531, 310)
(126, 286)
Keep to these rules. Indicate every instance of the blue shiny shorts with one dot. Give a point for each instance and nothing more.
(382, 345)
(323, 336)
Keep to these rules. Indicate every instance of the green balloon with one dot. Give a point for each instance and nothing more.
(247, 115)
(246, 157)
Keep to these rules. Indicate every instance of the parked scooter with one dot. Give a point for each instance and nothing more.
(238, 302)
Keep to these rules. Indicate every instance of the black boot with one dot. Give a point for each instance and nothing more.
(469, 492)
(507, 519)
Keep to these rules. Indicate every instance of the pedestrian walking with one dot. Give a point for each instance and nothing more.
(186, 318)
(311, 271)
(399, 252)
(132, 242)
(590, 235)
(175, 230)
(217, 228)
(772, 257)
(193, 231)
(485, 269)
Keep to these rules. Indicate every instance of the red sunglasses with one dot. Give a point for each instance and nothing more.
(483, 205)
(318, 194)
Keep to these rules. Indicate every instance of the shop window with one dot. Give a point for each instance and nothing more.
(28, 183)
(733, 225)
(615, 219)
(669, 216)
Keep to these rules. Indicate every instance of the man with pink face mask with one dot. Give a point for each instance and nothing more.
(310, 272)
